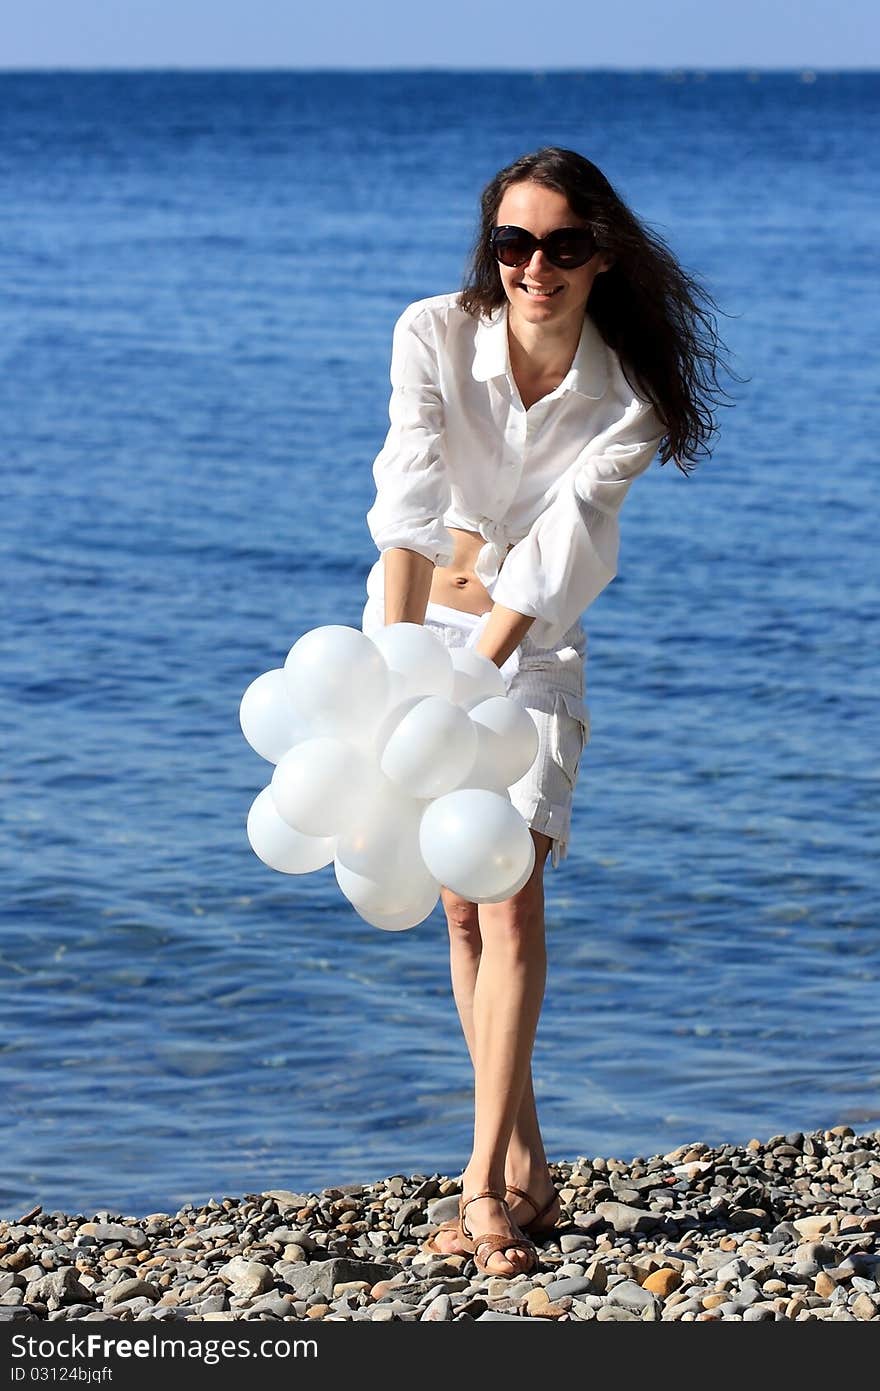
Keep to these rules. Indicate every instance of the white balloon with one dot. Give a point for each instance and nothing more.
(281, 847)
(410, 917)
(389, 722)
(338, 682)
(396, 689)
(320, 786)
(476, 843)
(510, 889)
(476, 678)
(384, 839)
(268, 719)
(420, 658)
(508, 738)
(432, 748)
(378, 863)
(388, 895)
(484, 773)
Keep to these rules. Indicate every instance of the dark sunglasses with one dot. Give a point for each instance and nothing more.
(567, 247)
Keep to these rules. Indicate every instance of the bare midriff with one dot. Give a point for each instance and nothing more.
(456, 585)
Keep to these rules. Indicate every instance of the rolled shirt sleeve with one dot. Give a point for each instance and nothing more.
(570, 553)
(412, 487)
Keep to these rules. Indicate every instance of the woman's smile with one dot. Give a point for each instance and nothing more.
(541, 291)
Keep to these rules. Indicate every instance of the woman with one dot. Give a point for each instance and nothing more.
(521, 411)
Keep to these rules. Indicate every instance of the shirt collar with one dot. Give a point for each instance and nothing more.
(588, 374)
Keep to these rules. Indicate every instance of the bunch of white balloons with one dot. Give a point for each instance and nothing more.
(393, 755)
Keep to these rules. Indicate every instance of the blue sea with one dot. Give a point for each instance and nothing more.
(200, 273)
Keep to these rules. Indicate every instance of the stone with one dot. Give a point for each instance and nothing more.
(536, 1299)
(131, 1308)
(816, 1226)
(759, 1313)
(816, 1251)
(631, 1295)
(17, 1260)
(569, 1287)
(662, 1282)
(322, 1276)
(572, 1241)
(272, 1302)
(382, 1287)
(350, 1286)
(284, 1199)
(615, 1313)
(115, 1231)
(124, 1290)
(247, 1278)
(62, 1284)
(213, 1304)
(775, 1286)
(864, 1307)
(625, 1218)
(733, 1270)
(553, 1311)
(496, 1315)
(438, 1311)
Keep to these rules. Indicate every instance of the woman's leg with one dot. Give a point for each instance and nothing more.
(498, 969)
(526, 1166)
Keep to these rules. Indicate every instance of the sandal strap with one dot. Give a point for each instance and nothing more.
(486, 1246)
(502, 1243)
(538, 1212)
(465, 1202)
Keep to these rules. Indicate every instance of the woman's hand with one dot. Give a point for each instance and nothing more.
(498, 637)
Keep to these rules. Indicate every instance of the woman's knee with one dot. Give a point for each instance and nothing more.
(462, 916)
(521, 915)
(524, 910)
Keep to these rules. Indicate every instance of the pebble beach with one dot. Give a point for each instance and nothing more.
(786, 1228)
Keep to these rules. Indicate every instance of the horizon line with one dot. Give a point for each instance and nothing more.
(320, 69)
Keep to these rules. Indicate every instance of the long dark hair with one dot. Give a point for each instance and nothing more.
(656, 317)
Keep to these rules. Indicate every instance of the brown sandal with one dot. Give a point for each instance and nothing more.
(452, 1225)
(534, 1224)
(493, 1241)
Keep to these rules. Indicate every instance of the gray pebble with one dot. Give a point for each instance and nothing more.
(438, 1311)
(624, 1218)
(733, 1270)
(630, 1295)
(614, 1313)
(125, 1290)
(559, 1289)
(571, 1241)
(119, 1234)
(495, 1316)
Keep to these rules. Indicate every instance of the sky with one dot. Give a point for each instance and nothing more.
(534, 35)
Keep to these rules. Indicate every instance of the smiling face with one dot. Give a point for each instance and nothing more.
(539, 292)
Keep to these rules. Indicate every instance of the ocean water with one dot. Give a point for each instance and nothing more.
(200, 275)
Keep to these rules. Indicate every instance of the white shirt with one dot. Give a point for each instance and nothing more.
(462, 451)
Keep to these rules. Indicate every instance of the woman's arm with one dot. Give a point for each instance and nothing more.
(570, 553)
(407, 580)
(502, 634)
(412, 488)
